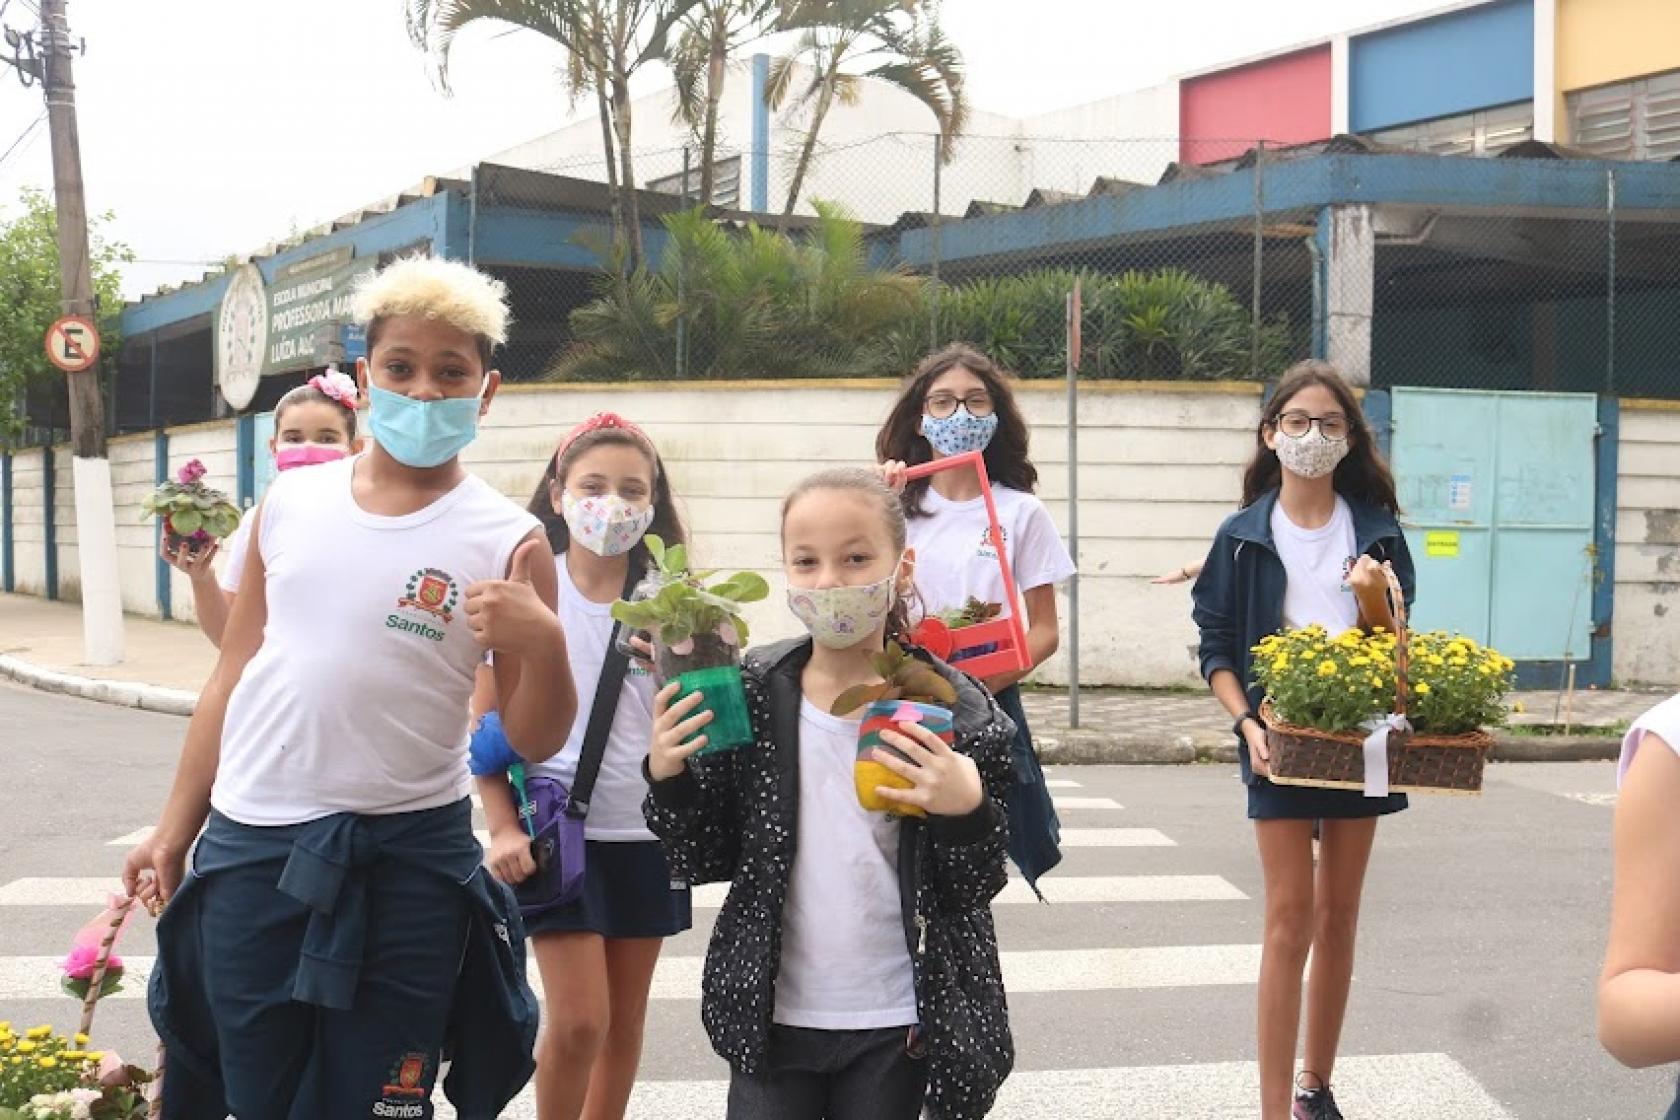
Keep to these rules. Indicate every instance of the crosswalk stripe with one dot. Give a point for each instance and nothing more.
(1085, 803)
(1065, 888)
(1071, 838)
(1061, 783)
(678, 978)
(1371, 1085)
(1116, 838)
(91, 892)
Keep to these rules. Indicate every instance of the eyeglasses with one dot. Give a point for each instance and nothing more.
(941, 405)
(1296, 424)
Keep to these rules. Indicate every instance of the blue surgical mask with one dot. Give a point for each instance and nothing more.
(960, 432)
(423, 433)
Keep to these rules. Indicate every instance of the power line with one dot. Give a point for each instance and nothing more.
(24, 135)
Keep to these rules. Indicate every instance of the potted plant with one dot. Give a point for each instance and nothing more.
(910, 692)
(697, 634)
(193, 513)
(1424, 699)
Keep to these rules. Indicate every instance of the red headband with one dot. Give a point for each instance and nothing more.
(601, 421)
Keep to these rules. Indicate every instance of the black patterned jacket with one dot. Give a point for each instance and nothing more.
(731, 816)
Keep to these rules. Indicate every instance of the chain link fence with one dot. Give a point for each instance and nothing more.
(1542, 278)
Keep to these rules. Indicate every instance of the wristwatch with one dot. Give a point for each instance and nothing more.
(1237, 728)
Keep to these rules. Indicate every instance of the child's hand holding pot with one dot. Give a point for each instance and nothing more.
(944, 783)
(672, 725)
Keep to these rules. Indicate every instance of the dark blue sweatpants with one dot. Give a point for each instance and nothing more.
(282, 1058)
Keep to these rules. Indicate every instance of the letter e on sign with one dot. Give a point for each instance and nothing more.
(73, 344)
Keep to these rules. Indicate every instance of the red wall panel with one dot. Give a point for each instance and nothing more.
(1283, 100)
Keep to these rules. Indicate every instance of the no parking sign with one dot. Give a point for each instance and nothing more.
(73, 344)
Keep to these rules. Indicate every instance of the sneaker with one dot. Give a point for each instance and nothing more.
(1315, 1104)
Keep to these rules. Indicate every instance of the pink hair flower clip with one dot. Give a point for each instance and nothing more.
(336, 385)
(598, 422)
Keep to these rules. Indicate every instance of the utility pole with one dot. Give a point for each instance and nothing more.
(102, 619)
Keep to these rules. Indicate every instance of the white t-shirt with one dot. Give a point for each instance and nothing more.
(1315, 564)
(233, 555)
(955, 558)
(1662, 720)
(845, 964)
(357, 699)
(615, 807)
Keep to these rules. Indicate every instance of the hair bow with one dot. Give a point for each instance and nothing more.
(336, 385)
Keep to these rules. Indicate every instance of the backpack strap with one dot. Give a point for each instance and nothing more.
(601, 713)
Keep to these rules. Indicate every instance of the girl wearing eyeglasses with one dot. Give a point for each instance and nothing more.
(1319, 518)
(958, 401)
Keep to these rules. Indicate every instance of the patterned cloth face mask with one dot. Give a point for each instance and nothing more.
(1311, 455)
(841, 617)
(960, 432)
(605, 524)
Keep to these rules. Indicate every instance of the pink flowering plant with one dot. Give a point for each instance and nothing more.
(193, 514)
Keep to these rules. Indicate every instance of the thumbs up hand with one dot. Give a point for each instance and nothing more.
(508, 615)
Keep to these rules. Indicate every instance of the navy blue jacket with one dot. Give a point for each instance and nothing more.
(1239, 595)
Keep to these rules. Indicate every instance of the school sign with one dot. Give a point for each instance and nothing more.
(290, 323)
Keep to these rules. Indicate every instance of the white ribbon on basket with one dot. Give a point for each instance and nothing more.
(1376, 751)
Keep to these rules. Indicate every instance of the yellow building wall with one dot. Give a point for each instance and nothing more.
(1603, 41)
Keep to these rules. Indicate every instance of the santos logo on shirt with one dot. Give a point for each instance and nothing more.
(430, 593)
(988, 550)
(406, 1083)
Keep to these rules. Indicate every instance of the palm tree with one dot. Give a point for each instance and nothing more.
(899, 41)
(700, 64)
(606, 42)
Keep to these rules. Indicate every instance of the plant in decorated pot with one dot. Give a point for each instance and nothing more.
(697, 633)
(910, 691)
(193, 514)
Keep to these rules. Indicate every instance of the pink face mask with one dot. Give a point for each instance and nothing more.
(306, 455)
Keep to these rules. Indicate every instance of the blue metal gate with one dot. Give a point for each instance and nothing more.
(1498, 492)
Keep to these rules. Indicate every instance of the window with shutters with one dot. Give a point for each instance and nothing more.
(1484, 133)
(726, 183)
(1630, 120)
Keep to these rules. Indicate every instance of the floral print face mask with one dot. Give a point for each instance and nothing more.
(1311, 455)
(841, 617)
(605, 524)
(959, 432)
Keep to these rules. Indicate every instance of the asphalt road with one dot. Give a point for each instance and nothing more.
(1131, 993)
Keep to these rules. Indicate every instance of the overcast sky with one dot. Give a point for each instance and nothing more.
(214, 126)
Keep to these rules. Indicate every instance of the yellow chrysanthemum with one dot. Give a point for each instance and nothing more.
(47, 1063)
(1327, 668)
(1423, 688)
(80, 1039)
(1360, 661)
(39, 1032)
(26, 1047)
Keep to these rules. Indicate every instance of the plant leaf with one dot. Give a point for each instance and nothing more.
(857, 696)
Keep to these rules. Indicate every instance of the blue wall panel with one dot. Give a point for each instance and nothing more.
(1470, 60)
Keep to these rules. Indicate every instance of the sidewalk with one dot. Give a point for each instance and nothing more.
(167, 663)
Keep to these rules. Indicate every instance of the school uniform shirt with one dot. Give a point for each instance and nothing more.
(357, 699)
(1663, 721)
(844, 966)
(1316, 563)
(956, 560)
(615, 808)
(233, 555)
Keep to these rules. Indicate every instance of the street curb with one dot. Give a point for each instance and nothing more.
(151, 698)
(1057, 746)
(1064, 746)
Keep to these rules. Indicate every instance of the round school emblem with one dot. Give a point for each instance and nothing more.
(432, 591)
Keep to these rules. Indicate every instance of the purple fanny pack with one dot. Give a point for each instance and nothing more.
(557, 841)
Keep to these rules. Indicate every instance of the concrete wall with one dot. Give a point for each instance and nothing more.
(29, 556)
(1160, 468)
(1458, 63)
(1647, 608)
(1604, 41)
